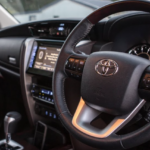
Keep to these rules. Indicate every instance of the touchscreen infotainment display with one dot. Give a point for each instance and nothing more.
(46, 58)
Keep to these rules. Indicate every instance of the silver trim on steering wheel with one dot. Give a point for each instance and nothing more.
(84, 115)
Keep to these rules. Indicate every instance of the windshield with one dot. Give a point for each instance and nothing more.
(36, 10)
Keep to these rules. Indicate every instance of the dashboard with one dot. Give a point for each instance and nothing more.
(34, 48)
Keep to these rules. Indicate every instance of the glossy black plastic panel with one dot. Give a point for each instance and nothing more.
(10, 48)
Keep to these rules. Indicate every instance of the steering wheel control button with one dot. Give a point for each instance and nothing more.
(106, 67)
(148, 82)
(78, 76)
(70, 62)
(81, 65)
(74, 67)
(145, 82)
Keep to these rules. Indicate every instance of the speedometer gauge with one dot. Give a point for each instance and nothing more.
(141, 51)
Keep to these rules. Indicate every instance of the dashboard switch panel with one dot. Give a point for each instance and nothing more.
(42, 94)
(45, 112)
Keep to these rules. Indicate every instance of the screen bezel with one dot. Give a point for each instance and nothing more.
(46, 43)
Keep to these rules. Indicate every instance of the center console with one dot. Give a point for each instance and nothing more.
(39, 59)
(41, 92)
(42, 62)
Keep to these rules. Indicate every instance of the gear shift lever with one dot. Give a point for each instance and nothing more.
(10, 124)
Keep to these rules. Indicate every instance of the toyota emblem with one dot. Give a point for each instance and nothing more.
(106, 67)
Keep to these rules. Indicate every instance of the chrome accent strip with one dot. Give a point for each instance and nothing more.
(28, 78)
(132, 114)
(9, 119)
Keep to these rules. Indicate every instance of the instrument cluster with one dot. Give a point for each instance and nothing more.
(141, 51)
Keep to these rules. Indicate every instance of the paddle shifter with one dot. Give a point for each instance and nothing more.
(10, 124)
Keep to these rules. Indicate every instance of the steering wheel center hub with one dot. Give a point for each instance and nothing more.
(110, 81)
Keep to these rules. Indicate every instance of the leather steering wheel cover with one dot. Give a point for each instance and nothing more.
(82, 29)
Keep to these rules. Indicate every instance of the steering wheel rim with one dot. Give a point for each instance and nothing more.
(82, 29)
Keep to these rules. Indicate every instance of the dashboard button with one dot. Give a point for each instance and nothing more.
(52, 101)
(81, 65)
(49, 99)
(148, 80)
(73, 74)
(78, 76)
(46, 113)
(145, 82)
(74, 66)
(35, 89)
(70, 62)
(54, 116)
(68, 65)
(50, 114)
(32, 91)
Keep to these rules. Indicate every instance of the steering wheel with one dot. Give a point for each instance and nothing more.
(110, 84)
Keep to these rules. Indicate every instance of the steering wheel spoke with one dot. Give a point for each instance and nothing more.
(85, 114)
(75, 65)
